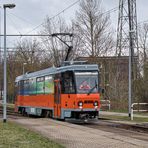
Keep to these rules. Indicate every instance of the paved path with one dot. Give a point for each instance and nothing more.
(78, 136)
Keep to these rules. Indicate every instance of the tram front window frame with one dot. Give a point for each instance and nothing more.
(86, 82)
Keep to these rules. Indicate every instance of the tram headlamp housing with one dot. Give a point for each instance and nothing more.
(80, 103)
(96, 103)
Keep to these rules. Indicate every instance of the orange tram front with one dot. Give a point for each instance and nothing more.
(68, 92)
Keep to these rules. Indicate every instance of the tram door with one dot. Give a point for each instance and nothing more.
(57, 99)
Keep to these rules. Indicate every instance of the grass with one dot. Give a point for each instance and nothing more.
(126, 111)
(14, 136)
(124, 118)
(141, 113)
(118, 110)
(10, 105)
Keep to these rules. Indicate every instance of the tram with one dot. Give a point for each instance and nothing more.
(67, 92)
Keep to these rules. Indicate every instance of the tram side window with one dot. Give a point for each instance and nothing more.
(49, 85)
(20, 87)
(68, 83)
(16, 87)
(32, 86)
(40, 82)
(26, 87)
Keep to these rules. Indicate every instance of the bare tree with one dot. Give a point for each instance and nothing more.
(28, 52)
(143, 43)
(143, 40)
(142, 82)
(92, 28)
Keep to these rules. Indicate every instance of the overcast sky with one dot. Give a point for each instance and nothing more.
(30, 13)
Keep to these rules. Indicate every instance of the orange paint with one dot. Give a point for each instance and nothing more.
(67, 101)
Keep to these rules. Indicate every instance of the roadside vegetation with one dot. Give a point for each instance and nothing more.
(12, 135)
(10, 106)
(124, 118)
(126, 111)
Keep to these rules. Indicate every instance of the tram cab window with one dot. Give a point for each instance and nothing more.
(86, 82)
(68, 83)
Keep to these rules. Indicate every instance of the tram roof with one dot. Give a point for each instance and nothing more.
(54, 70)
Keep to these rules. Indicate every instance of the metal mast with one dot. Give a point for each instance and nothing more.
(127, 41)
(127, 26)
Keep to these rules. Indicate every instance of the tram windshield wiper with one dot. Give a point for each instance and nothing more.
(90, 91)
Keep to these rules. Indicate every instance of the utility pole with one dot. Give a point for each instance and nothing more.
(5, 6)
(127, 39)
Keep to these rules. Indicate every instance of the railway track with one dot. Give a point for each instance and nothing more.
(10, 111)
(106, 124)
(102, 123)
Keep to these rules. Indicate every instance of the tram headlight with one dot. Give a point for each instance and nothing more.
(96, 103)
(80, 103)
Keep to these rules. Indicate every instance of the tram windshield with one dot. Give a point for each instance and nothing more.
(86, 82)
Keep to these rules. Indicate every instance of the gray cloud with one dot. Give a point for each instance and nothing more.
(33, 12)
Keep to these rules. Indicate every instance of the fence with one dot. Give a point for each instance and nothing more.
(105, 103)
(138, 110)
